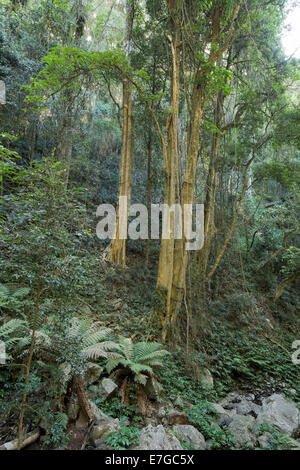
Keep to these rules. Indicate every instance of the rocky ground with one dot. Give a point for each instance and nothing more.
(251, 420)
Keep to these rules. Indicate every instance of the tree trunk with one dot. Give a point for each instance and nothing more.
(165, 268)
(118, 245)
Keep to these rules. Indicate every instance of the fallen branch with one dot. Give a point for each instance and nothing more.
(29, 438)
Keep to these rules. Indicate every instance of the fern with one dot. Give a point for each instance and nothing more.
(139, 359)
(10, 327)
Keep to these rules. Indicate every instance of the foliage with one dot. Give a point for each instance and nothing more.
(140, 358)
(200, 417)
(127, 436)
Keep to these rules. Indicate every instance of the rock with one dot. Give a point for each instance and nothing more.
(161, 413)
(153, 389)
(156, 438)
(150, 421)
(206, 378)
(73, 410)
(104, 425)
(107, 388)
(99, 415)
(225, 416)
(240, 428)
(264, 441)
(92, 374)
(100, 431)
(218, 408)
(232, 397)
(280, 413)
(100, 444)
(177, 417)
(191, 435)
(247, 407)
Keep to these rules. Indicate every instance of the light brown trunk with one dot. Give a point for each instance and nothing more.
(118, 245)
(165, 268)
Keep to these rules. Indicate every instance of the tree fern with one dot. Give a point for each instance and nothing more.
(136, 359)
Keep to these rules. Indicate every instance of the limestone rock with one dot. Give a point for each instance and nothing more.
(100, 431)
(156, 438)
(240, 428)
(280, 413)
(265, 440)
(206, 378)
(191, 435)
(73, 410)
(107, 388)
(92, 374)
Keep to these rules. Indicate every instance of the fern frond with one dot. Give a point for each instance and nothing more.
(89, 338)
(113, 362)
(143, 349)
(137, 368)
(11, 326)
(127, 346)
(156, 355)
(22, 292)
(4, 291)
(141, 379)
(97, 350)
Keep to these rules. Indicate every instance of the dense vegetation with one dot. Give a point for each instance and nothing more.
(162, 102)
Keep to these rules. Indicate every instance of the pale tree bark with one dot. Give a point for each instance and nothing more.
(209, 207)
(165, 268)
(117, 252)
(179, 259)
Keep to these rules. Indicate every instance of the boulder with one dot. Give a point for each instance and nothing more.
(247, 407)
(241, 428)
(280, 413)
(206, 378)
(104, 425)
(225, 416)
(73, 410)
(92, 374)
(100, 431)
(156, 438)
(264, 441)
(107, 388)
(191, 435)
(222, 411)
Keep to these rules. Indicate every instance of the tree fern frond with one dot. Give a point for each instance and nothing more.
(101, 349)
(11, 326)
(143, 349)
(137, 368)
(141, 379)
(149, 358)
(127, 346)
(91, 338)
(22, 292)
(113, 362)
